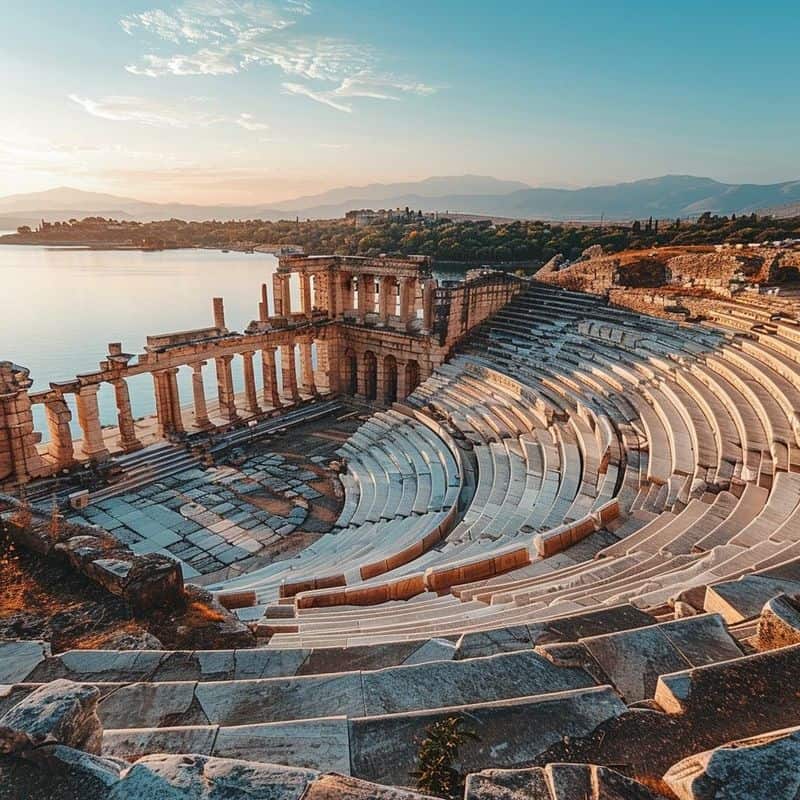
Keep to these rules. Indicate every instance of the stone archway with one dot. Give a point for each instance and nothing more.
(370, 375)
(350, 372)
(389, 380)
(412, 376)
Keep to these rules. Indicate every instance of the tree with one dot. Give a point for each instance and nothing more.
(637, 226)
(23, 229)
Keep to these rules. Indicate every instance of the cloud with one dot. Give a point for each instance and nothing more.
(374, 87)
(225, 37)
(247, 122)
(121, 108)
(326, 98)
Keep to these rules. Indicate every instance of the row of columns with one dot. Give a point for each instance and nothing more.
(168, 401)
(168, 405)
(335, 291)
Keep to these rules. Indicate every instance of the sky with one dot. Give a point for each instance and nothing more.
(241, 101)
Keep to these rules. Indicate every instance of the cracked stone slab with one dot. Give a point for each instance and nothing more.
(322, 744)
(19, 658)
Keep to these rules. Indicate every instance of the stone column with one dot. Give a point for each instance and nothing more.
(174, 399)
(127, 441)
(332, 280)
(263, 306)
(60, 447)
(251, 399)
(286, 293)
(368, 284)
(307, 365)
(361, 307)
(277, 294)
(402, 388)
(92, 446)
(163, 410)
(19, 458)
(344, 282)
(270, 377)
(305, 294)
(289, 370)
(386, 298)
(227, 400)
(427, 304)
(405, 290)
(201, 419)
(219, 314)
(323, 378)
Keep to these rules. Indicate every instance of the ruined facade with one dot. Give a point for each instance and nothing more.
(373, 328)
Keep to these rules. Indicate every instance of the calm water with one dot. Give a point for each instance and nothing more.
(61, 308)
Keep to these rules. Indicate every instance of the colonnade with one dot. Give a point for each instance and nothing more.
(380, 298)
(375, 378)
(291, 386)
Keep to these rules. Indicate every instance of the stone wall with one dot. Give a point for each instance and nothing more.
(145, 582)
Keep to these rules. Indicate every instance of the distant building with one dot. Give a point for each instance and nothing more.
(363, 217)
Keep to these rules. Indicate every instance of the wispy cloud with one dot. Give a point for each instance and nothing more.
(326, 98)
(139, 110)
(249, 123)
(375, 87)
(224, 37)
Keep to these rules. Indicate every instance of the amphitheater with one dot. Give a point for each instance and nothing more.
(570, 524)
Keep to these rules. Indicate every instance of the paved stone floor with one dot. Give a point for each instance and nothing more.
(255, 506)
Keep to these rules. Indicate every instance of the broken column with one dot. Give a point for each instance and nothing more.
(219, 314)
(127, 441)
(92, 446)
(60, 448)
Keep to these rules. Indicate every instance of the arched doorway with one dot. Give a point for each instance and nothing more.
(370, 375)
(412, 376)
(350, 373)
(390, 380)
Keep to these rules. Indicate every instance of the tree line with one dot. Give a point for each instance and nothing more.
(478, 242)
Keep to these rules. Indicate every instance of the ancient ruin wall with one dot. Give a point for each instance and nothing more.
(380, 326)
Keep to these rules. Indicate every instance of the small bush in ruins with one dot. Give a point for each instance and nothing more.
(436, 757)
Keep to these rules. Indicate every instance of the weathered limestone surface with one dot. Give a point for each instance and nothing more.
(19, 658)
(779, 624)
(765, 766)
(633, 660)
(434, 684)
(60, 712)
(555, 782)
(512, 733)
(190, 777)
(744, 598)
(565, 629)
(342, 787)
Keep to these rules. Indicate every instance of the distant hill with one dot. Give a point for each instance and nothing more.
(668, 196)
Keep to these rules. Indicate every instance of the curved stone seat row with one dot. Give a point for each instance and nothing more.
(396, 467)
(720, 468)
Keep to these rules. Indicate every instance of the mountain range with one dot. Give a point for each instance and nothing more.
(663, 197)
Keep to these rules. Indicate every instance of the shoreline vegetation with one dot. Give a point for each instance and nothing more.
(519, 244)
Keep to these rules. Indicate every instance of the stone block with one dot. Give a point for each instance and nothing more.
(765, 766)
(513, 733)
(60, 712)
